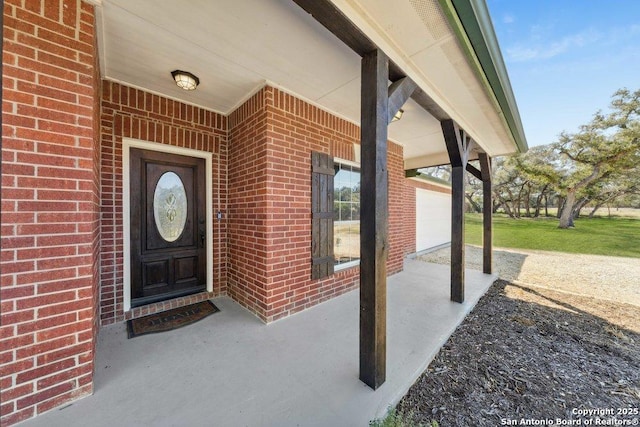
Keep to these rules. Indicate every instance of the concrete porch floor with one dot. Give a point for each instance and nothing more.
(232, 370)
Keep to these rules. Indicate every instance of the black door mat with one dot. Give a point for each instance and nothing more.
(171, 319)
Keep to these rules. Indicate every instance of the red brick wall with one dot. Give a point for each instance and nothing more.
(397, 207)
(262, 246)
(247, 212)
(62, 231)
(270, 143)
(409, 218)
(132, 113)
(408, 236)
(97, 87)
(49, 206)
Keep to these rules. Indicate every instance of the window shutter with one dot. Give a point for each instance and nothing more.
(321, 215)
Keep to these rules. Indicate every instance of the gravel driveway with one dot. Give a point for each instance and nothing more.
(602, 277)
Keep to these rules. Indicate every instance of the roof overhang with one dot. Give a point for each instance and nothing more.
(471, 22)
(236, 48)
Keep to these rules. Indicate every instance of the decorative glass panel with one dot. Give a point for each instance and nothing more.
(170, 206)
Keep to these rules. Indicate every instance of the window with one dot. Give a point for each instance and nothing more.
(346, 209)
(335, 215)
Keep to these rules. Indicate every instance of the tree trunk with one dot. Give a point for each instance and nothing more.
(539, 200)
(561, 203)
(518, 203)
(576, 212)
(570, 204)
(566, 213)
(546, 206)
(527, 202)
(474, 206)
(578, 207)
(510, 209)
(506, 207)
(496, 205)
(595, 208)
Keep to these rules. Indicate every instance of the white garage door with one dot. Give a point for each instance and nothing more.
(433, 219)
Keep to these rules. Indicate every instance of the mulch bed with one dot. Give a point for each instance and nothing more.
(527, 353)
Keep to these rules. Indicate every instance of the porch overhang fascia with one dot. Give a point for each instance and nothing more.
(471, 22)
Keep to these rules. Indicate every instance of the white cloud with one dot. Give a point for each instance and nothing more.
(508, 18)
(539, 50)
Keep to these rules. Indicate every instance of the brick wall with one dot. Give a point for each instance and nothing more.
(262, 178)
(95, 279)
(270, 143)
(132, 113)
(49, 206)
(62, 230)
(397, 208)
(247, 216)
(409, 218)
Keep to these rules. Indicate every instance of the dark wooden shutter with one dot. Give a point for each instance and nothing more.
(321, 215)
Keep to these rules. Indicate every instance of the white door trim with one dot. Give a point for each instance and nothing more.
(127, 144)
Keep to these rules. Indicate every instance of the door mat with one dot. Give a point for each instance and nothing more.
(171, 319)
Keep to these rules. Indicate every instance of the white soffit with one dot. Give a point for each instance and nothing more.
(416, 35)
(235, 47)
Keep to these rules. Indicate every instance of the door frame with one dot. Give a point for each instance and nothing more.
(127, 144)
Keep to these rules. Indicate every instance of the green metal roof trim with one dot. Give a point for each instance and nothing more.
(471, 22)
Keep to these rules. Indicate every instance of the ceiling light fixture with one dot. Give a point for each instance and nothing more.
(185, 79)
(397, 116)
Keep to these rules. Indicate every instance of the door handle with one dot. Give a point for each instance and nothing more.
(203, 237)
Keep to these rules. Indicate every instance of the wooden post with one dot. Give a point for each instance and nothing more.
(458, 147)
(374, 218)
(487, 214)
(457, 234)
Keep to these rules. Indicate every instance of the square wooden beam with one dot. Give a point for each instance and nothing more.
(487, 213)
(374, 213)
(459, 147)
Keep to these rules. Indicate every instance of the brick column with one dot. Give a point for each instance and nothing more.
(50, 206)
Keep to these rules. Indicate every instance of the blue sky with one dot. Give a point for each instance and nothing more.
(565, 58)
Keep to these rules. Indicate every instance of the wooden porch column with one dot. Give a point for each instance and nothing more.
(458, 147)
(374, 214)
(487, 214)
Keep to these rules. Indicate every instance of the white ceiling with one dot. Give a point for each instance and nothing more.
(237, 46)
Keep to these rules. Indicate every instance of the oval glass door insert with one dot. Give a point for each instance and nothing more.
(170, 206)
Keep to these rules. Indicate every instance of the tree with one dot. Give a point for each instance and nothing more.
(442, 172)
(523, 181)
(507, 185)
(607, 146)
(537, 167)
(617, 186)
(473, 191)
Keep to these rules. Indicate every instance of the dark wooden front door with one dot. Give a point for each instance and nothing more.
(168, 227)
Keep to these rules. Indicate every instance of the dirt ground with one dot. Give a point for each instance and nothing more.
(614, 279)
(532, 354)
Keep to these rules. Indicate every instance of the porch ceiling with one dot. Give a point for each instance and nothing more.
(237, 46)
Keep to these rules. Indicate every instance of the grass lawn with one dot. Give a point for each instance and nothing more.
(597, 236)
